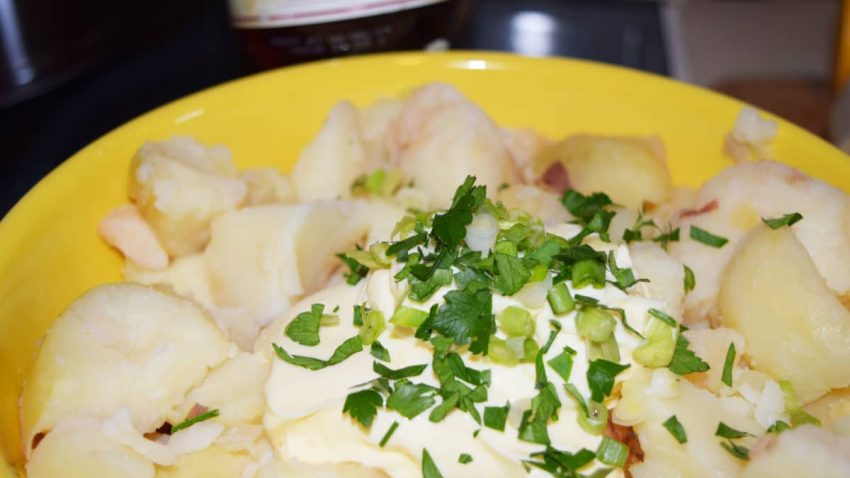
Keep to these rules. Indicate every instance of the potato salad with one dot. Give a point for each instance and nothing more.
(429, 294)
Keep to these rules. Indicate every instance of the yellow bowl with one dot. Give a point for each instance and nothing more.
(50, 253)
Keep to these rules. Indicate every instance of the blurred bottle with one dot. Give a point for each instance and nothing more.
(283, 32)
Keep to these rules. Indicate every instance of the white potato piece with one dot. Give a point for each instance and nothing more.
(539, 202)
(833, 410)
(742, 194)
(631, 170)
(179, 185)
(666, 275)
(262, 258)
(804, 451)
(794, 326)
(266, 186)
(80, 450)
(126, 230)
(333, 160)
(441, 137)
(186, 276)
(524, 145)
(212, 462)
(711, 345)
(374, 121)
(119, 346)
(280, 469)
(234, 388)
(646, 406)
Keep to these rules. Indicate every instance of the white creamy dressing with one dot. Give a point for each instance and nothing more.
(305, 419)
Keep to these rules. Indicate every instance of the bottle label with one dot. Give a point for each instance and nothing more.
(284, 13)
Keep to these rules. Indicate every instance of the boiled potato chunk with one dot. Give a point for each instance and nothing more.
(334, 159)
(306, 470)
(711, 345)
(795, 327)
(82, 451)
(666, 275)
(119, 346)
(650, 397)
(179, 185)
(212, 462)
(804, 451)
(263, 257)
(631, 170)
(440, 137)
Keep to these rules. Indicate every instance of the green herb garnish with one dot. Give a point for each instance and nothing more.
(676, 429)
(786, 220)
(363, 406)
(707, 238)
(728, 364)
(196, 419)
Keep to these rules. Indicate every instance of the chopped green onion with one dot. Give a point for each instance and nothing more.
(778, 427)
(500, 353)
(388, 434)
(608, 350)
(379, 352)
(707, 238)
(560, 299)
(588, 272)
(408, 317)
(529, 349)
(725, 431)
(738, 451)
(659, 347)
(506, 247)
(663, 317)
(496, 417)
(690, 279)
(611, 452)
(595, 420)
(728, 364)
(595, 324)
(373, 326)
(786, 220)
(329, 320)
(562, 364)
(794, 408)
(516, 322)
(196, 419)
(538, 273)
(676, 429)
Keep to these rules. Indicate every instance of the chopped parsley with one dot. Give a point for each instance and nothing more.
(379, 352)
(562, 363)
(786, 220)
(725, 431)
(561, 463)
(363, 406)
(624, 277)
(600, 377)
(357, 271)
(464, 458)
(411, 399)
(388, 434)
(399, 374)
(511, 274)
(728, 365)
(778, 427)
(738, 451)
(676, 429)
(672, 235)
(496, 417)
(345, 350)
(449, 228)
(466, 317)
(663, 317)
(429, 468)
(707, 238)
(196, 419)
(684, 360)
(304, 328)
(690, 279)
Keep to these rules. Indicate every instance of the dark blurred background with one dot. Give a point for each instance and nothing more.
(71, 70)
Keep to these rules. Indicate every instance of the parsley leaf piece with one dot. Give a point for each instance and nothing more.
(545, 254)
(778, 427)
(786, 220)
(584, 207)
(304, 328)
(690, 279)
(357, 271)
(561, 463)
(399, 374)
(379, 352)
(363, 406)
(672, 235)
(449, 228)
(196, 419)
(562, 364)
(676, 429)
(600, 377)
(359, 312)
(738, 451)
(411, 399)
(345, 350)
(466, 317)
(624, 276)
(707, 238)
(725, 431)
(429, 469)
(439, 412)
(511, 274)
(663, 317)
(421, 290)
(406, 244)
(728, 364)
(496, 417)
(464, 458)
(573, 392)
(635, 233)
(684, 360)
(388, 434)
(544, 407)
